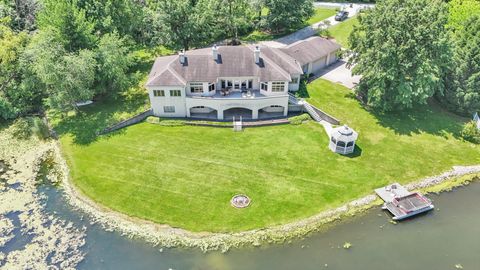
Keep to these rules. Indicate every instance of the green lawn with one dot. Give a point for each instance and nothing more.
(342, 30)
(185, 176)
(321, 14)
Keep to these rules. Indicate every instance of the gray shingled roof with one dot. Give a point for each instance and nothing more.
(311, 49)
(285, 61)
(237, 61)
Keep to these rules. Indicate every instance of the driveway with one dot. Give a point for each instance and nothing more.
(312, 29)
(339, 73)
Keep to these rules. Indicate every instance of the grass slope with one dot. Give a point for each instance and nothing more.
(185, 176)
(341, 31)
(321, 14)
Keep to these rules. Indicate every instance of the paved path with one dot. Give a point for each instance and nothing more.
(339, 73)
(312, 29)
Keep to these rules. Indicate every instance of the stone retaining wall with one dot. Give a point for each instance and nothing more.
(325, 116)
(125, 123)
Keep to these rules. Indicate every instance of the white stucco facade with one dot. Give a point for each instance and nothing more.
(213, 101)
(159, 103)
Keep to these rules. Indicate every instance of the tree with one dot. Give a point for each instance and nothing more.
(189, 23)
(402, 51)
(460, 11)
(235, 16)
(286, 14)
(71, 80)
(462, 94)
(113, 61)
(13, 100)
(70, 22)
(259, 6)
(178, 26)
(108, 16)
(21, 12)
(67, 77)
(11, 46)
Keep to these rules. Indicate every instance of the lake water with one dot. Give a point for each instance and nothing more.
(441, 239)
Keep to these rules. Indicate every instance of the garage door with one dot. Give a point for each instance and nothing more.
(333, 58)
(318, 65)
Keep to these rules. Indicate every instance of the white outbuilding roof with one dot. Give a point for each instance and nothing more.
(344, 133)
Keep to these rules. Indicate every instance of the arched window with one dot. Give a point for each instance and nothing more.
(341, 144)
(349, 144)
(334, 141)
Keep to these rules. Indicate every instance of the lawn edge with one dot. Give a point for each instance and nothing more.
(167, 236)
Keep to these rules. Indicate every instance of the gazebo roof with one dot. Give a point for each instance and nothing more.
(344, 133)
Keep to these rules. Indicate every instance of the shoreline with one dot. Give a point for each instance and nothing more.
(42, 239)
(166, 236)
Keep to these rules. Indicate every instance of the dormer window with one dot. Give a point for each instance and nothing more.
(264, 86)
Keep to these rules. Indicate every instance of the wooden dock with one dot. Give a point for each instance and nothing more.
(403, 203)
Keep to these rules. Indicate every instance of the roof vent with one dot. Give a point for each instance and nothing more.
(256, 53)
(215, 52)
(182, 57)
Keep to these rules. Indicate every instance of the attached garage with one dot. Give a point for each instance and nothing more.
(313, 54)
(319, 65)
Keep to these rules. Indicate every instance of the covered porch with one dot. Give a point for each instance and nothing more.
(248, 108)
(238, 112)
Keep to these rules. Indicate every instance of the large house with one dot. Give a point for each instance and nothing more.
(227, 81)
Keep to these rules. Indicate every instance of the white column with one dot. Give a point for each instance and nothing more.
(220, 114)
(285, 110)
(255, 114)
(328, 59)
(188, 112)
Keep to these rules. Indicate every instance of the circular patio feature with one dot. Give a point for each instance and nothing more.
(240, 201)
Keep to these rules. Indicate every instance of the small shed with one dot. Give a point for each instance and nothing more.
(342, 140)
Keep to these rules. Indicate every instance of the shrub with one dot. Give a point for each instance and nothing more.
(172, 123)
(40, 128)
(165, 122)
(302, 90)
(471, 133)
(21, 128)
(153, 120)
(299, 119)
(323, 29)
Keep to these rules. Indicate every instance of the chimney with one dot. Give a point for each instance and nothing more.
(215, 52)
(182, 57)
(256, 53)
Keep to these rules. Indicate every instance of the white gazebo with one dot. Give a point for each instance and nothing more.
(342, 140)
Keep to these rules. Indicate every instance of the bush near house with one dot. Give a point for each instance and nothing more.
(299, 119)
(471, 133)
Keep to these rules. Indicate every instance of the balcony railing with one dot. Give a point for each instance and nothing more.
(247, 94)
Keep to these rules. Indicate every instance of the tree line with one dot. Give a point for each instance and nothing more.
(409, 51)
(55, 53)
